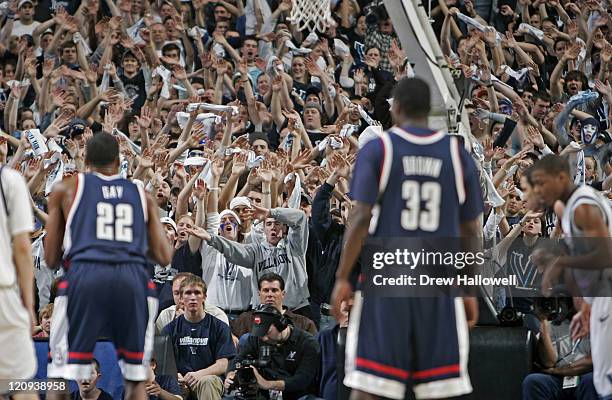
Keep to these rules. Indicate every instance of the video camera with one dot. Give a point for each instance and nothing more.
(556, 309)
(245, 383)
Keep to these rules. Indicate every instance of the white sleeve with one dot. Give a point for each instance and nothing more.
(20, 218)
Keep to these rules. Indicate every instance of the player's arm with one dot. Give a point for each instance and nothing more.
(471, 231)
(365, 193)
(160, 249)
(356, 233)
(590, 220)
(22, 257)
(56, 225)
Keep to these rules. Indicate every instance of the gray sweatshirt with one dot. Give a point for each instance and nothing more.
(229, 285)
(287, 258)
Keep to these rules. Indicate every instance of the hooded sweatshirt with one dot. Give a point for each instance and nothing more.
(287, 258)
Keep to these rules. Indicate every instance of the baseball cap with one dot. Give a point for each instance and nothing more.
(313, 89)
(169, 221)
(22, 2)
(312, 104)
(306, 197)
(227, 212)
(240, 201)
(264, 316)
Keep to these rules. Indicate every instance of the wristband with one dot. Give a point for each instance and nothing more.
(268, 192)
(215, 189)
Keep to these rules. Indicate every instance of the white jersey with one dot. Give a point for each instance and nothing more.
(593, 283)
(585, 195)
(15, 217)
(17, 354)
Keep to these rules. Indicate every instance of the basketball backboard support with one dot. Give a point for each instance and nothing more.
(418, 39)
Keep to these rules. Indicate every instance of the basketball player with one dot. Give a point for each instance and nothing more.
(105, 225)
(399, 346)
(17, 318)
(587, 226)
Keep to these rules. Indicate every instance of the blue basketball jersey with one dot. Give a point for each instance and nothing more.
(107, 222)
(422, 183)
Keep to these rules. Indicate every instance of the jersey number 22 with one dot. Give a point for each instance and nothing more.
(114, 222)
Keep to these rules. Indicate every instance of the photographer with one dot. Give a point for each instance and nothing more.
(287, 359)
(566, 366)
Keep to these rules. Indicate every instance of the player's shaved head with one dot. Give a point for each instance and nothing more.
(102, 150)
(550, 178)
(552, 165)
(412, 98)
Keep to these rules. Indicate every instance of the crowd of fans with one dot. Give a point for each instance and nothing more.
(245, 131)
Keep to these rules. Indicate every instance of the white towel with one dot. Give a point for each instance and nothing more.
(580, 177)
(55, 176)
(532, 30)
(294, 48)
(165, 74)
(478, 25)
(37, 141)
(53, 146)
(208, 119)
(212, 107)
(518, 75)
(296, 195)
(133, 145)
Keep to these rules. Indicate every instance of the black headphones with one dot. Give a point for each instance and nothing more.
(280, 320)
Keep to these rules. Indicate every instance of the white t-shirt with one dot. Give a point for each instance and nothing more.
(18, 220)
(20, 29)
